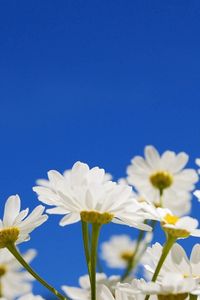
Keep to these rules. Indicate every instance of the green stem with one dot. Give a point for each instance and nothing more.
(153, 223)
(161, 198)
(20, 259)
(130, 264)
(85, 233)
(99, 266)
(193, 297)
(166, 248)
(93, 261)
(1, 293)
(133, 262)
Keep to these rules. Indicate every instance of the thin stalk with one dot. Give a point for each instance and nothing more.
(99, 266)
(193, 297)
(20, 259)
(93, 260)
(86, 237)
(1, 293)
(167, 247)
(130, 264)
(161, 198)
(133, 262)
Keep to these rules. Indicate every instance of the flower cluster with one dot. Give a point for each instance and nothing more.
(155, 195)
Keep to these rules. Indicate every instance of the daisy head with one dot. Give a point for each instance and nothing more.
(84, 194)
(178, 227)
(16, 225)
(162, 179)
(171, 287)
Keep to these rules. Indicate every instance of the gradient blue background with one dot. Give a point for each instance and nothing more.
(93, 81)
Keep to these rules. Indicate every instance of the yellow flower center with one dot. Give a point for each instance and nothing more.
(126, 255)
(170, 219)
(2, 270)
(8, 236)
(96, 217)
(161, 180)
(175, 232)
(173, 297)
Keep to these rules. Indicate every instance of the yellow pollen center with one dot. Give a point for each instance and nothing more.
(170, 219)
(8, 236)
(175, 232)
(126, 255)
(2, 270)
(161, 180)
(96, 217)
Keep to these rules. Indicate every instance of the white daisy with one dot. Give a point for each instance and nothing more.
(84, 292)
(178, 227)
(118, 251)
(84, 194)
(13, 281)
(165, 174)
(172, 286)
(15, 226)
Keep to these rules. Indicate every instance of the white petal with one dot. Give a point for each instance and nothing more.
(180, 162)
(152, 156)
(70, 219)
(11, 210)
(76, 293)
(56, 210)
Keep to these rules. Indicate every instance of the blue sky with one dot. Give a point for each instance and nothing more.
(93, 81)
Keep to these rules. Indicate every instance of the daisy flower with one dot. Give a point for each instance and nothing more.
(172, 286)
(178, 227)
(14, 281)
(83, 194)
(16, 226)
(163, 180)
(118, 251)
(84, 292)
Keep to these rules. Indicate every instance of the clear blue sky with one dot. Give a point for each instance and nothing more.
(93, 81)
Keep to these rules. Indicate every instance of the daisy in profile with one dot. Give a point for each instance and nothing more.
(16, 225)
(163, 180)
(171, 287)
(120, 249)
(178, 227)
(83, 293)
(84, 194)
(14, 281)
